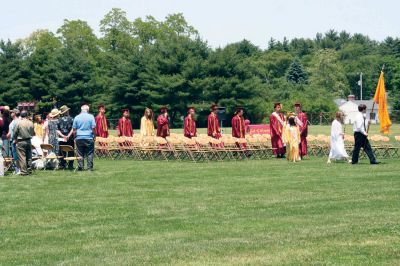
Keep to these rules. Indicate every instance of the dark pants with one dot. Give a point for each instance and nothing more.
(63, 163)
(85, 148)
(24, 150)
(361, 141)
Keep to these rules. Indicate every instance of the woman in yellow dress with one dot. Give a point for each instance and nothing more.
(292, 139)
(147, 124)
(38, 126)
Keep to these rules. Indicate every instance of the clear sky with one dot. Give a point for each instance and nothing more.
(218, 21)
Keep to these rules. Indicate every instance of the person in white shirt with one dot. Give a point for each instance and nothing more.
(361, 136)
(337, 152)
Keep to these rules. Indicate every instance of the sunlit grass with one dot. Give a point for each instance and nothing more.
(250, 212)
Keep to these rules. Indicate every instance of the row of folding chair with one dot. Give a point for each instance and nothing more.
(205, 148)
(178, 147)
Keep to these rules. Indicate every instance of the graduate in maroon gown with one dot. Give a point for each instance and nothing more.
(189, 125)
(101, 122)
(213, 128)
(163, 123)
(238, 125)
(125, 125)
(277, 122)
(302, 123)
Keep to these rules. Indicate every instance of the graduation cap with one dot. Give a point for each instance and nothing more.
(238, 109)
(125, 110)
(163, 109)
(297, 104)
(214, 107)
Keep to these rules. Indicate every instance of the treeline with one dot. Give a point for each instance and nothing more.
(150, 63)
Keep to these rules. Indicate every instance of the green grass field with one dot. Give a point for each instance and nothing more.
(223, 213)
(249, 212)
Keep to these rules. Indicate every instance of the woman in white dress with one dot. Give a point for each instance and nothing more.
(338, 152)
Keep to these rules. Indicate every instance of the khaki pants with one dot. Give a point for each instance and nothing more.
(24, 151)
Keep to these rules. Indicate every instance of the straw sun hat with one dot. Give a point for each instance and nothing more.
(55, 112)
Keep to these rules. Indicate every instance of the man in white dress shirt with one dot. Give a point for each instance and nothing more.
(361, 136)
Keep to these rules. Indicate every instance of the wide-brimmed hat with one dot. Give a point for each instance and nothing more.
(15, 111)
(64, 109)
(55, 112)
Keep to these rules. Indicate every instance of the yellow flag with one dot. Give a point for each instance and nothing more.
(381, 100)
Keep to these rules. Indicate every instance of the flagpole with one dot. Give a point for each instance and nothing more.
(361, 74)
(370, 116)
(373, 106)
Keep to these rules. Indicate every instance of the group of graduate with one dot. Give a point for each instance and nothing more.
(288, 132)
(124, 127)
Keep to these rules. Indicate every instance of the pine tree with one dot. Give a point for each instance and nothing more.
(296, 73)
(14, 83)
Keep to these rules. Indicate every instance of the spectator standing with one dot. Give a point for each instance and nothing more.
(65, 133)
(84, 128)
(10, 136)
(22, 135)
(52, 128)
(5, 124)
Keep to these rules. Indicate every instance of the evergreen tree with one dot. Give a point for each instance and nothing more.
(296, 72)
(14, 75)
(149, 63)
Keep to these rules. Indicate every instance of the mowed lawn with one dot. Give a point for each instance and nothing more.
(249, 212)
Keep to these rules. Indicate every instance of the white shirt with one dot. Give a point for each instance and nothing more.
(360, 124)
(12, 126)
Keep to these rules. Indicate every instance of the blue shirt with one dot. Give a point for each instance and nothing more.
(84, 125)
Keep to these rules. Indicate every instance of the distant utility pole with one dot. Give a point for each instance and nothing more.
(360, 84)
